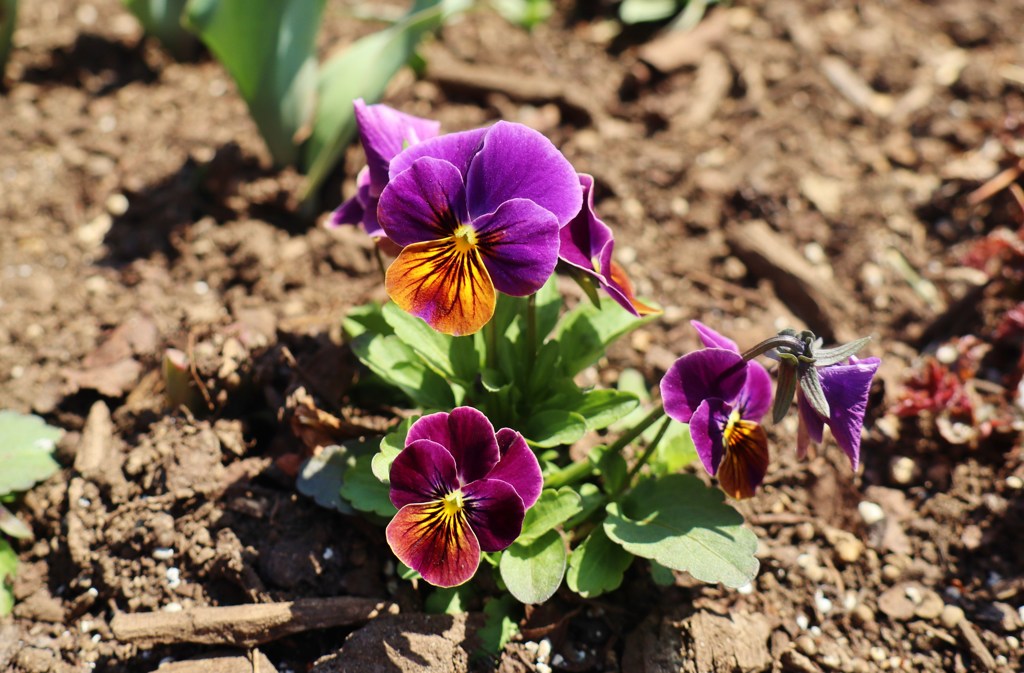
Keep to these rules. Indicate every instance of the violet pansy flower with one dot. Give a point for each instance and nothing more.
(587, 244)
(384, 133)
(461, 489)
(476, 212)
(846, 387)
(723, 398)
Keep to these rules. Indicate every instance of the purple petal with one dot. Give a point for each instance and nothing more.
(810, 423)
(385, 132)
(457, 149)
(516, 162)
(700, 375)
(473, 443)
(495, 512)
(466, 434)
(427, 202)
(586, 237)
(706, 430)
(756, 398)
(349, 212)
(713, 339)
(440, 547)
(519, 244)
(423, 471)
(518, 466)
(846, 388)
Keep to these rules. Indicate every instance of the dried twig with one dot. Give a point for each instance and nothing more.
(246, 625)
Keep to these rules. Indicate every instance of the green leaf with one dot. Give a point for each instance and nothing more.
(406, 573)
(363, 70)
(26, 448)
(449, 601)
(534, 572)
(597, 565)
(586, 332)
(551, 509)
(525, 13)
(8, 19)
(643, 11)
(451, 357)
(389, 358)
(365, 318)
(499, 626)
(364, 491)
(162, 20)
(675, 451)
(591, 500)
(601, 408)
(268, 48)
(322, 475)
(390, 446)
(681, 523)
(8, 566)
(554, 428)
(661, 575)
(549, 307)
(614, 469)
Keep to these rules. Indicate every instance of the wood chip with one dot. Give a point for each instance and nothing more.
(245, 625)
(978, 649)
(677, 49)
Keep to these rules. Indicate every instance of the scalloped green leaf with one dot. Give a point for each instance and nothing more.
(364, 491)
(679, 522)
(586, 332)
(26, 448)
(554, 428)
(597, 565)
(395, 362)
(534, 572)
(553, 508)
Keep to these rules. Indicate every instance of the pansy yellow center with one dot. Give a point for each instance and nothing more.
(730, 426)
(452, 503)
(465, 238)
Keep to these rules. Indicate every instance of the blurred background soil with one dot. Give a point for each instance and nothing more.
(852, 167)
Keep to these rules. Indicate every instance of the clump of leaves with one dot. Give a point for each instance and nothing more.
(26, 453)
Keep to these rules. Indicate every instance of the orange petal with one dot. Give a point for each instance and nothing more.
(448, 288)
(746, 459)
(439, 545)
(619, 277)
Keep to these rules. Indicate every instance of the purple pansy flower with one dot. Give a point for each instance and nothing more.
(587, 244)
(461, 489)
(384, 133)
(846, 388)
(475, 212)
(723, 398)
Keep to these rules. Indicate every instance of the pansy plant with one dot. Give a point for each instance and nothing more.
(476, 338)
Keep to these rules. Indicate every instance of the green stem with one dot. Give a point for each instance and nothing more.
(648, 452)
(569, 474)
(637, 430)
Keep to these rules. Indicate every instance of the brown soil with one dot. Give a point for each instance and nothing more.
(803, 163)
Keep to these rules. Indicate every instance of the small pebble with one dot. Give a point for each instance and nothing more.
(117, 204)
(903, 470)
(849, 549)
(173, 607)
(163, 553)
(1001, 660)
(1015, 482)
(951, 616)
(328, 554)
(746, 589)
(832, 660)
(541, 667)
(891, 573)
(822, 602)
(878, 654)
(544, 650)
(802, 621)
(1013, 642)
(806, 645)
(862, 615)
(805, 531)
(531, 647)
(947, 354)
(930, 606)
(815, 574)
(870, 512)
(173, 578)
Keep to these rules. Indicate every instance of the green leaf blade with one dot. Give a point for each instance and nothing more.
(553, 508)
(534, 572)
(597, 566)
(681, 523)
(26, 448)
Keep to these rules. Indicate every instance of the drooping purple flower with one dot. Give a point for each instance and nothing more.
(846, 388)
(460, 488)
(587, 244)
(384, 133)
(476, 212)
(723, 398)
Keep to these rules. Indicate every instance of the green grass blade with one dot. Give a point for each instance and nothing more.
(8, 17)
(268, 48)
